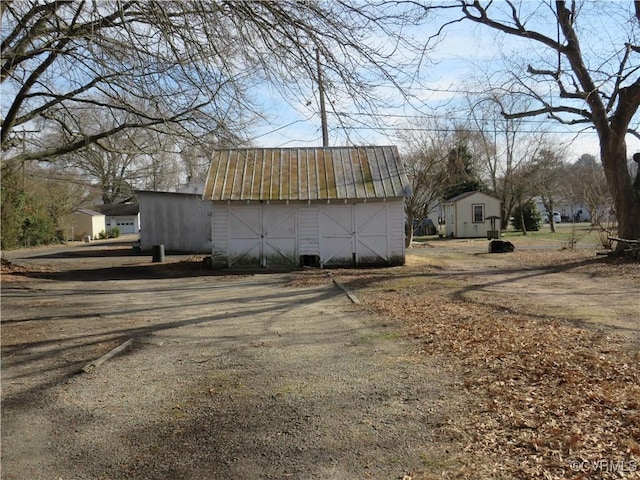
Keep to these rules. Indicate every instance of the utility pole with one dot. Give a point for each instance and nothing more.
(323, 108)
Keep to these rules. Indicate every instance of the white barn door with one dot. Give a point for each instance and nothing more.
(372, 233)
(245, 235)
(337, 235)
(279, 239)
(354, 234)
(262, 235)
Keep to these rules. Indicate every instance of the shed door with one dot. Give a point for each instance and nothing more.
(278, 236)
(262, 235)
(245, 235)
(337, 235)
(354, 234)
(372, 233)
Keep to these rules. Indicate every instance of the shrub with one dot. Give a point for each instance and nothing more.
(532, 217)
(38, 230)
(12, 214)
(102, 235)
(114, 232)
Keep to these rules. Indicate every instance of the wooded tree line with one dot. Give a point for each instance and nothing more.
(133, 94)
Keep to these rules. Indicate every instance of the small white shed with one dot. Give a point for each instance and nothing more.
(84, 223)
(467, 215)
(179, 221)
(321, 206)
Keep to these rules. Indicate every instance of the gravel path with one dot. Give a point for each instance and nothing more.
(227, 377)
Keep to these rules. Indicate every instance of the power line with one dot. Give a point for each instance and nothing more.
(282, 127)
(444, 117)
(449, 130)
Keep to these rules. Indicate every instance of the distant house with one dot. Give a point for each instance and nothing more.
(467, 215)
(85, 224)
(569, 212)
(307, 206)
(124, 216)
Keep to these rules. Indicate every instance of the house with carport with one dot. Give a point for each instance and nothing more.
(124, 216)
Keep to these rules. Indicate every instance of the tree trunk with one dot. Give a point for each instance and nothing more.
(506, 215)
(627, 202)
(548, 204)
(524, 226)
(408, 234)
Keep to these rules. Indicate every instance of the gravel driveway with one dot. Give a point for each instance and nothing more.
(227, 377)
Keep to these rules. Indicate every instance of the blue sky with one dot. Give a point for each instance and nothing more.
(467, 52)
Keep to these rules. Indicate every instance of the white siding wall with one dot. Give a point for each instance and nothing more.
(396, 221)
(220, 235)
(97, 226)
(308, 230)
(182, 223)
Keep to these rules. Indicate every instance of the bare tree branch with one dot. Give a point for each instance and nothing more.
(170, 56)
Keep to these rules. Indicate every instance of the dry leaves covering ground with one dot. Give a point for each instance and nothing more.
(544, 399)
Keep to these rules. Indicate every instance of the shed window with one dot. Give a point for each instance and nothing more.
(478, 213)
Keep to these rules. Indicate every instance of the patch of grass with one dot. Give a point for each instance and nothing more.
(295, 389)
(225, 382)
(566, 233)
(429, 238)
(435, 462)
(582, 233)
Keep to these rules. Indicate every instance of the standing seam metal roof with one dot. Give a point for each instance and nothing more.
(318, 173)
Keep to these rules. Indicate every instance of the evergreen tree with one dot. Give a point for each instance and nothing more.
(462, 176)
(527, 212)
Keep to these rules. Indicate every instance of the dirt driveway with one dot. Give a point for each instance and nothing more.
(458, 365)
(227, 377)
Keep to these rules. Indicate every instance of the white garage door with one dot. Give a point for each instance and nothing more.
(354, 234)
(262, 235)
(126, 225)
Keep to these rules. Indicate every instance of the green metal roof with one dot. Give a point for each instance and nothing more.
(316, 173)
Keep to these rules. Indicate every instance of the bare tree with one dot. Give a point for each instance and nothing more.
(588, 185)
(425, 170)
(195, 160)
(578, 79)
(506, 143)
(180, 67)
(112, 164)
(425, 159)
(548, 173)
